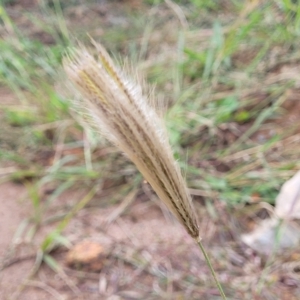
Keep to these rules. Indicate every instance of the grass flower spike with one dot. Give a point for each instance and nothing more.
(120, 110)
(124, 115)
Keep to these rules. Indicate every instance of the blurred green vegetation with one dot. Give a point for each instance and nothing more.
(206, 80)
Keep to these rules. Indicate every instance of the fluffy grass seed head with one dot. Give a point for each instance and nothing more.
(118, 108)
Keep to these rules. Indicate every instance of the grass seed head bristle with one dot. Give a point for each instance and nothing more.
(122, 113)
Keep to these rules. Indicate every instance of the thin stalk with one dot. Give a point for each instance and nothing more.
(213, 273)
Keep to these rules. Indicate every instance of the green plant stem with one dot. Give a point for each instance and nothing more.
(198, 241)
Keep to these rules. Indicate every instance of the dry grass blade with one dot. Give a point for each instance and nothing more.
(122, 113)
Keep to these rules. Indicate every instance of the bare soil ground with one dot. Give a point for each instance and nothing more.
(143, 254)
(137, 248)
